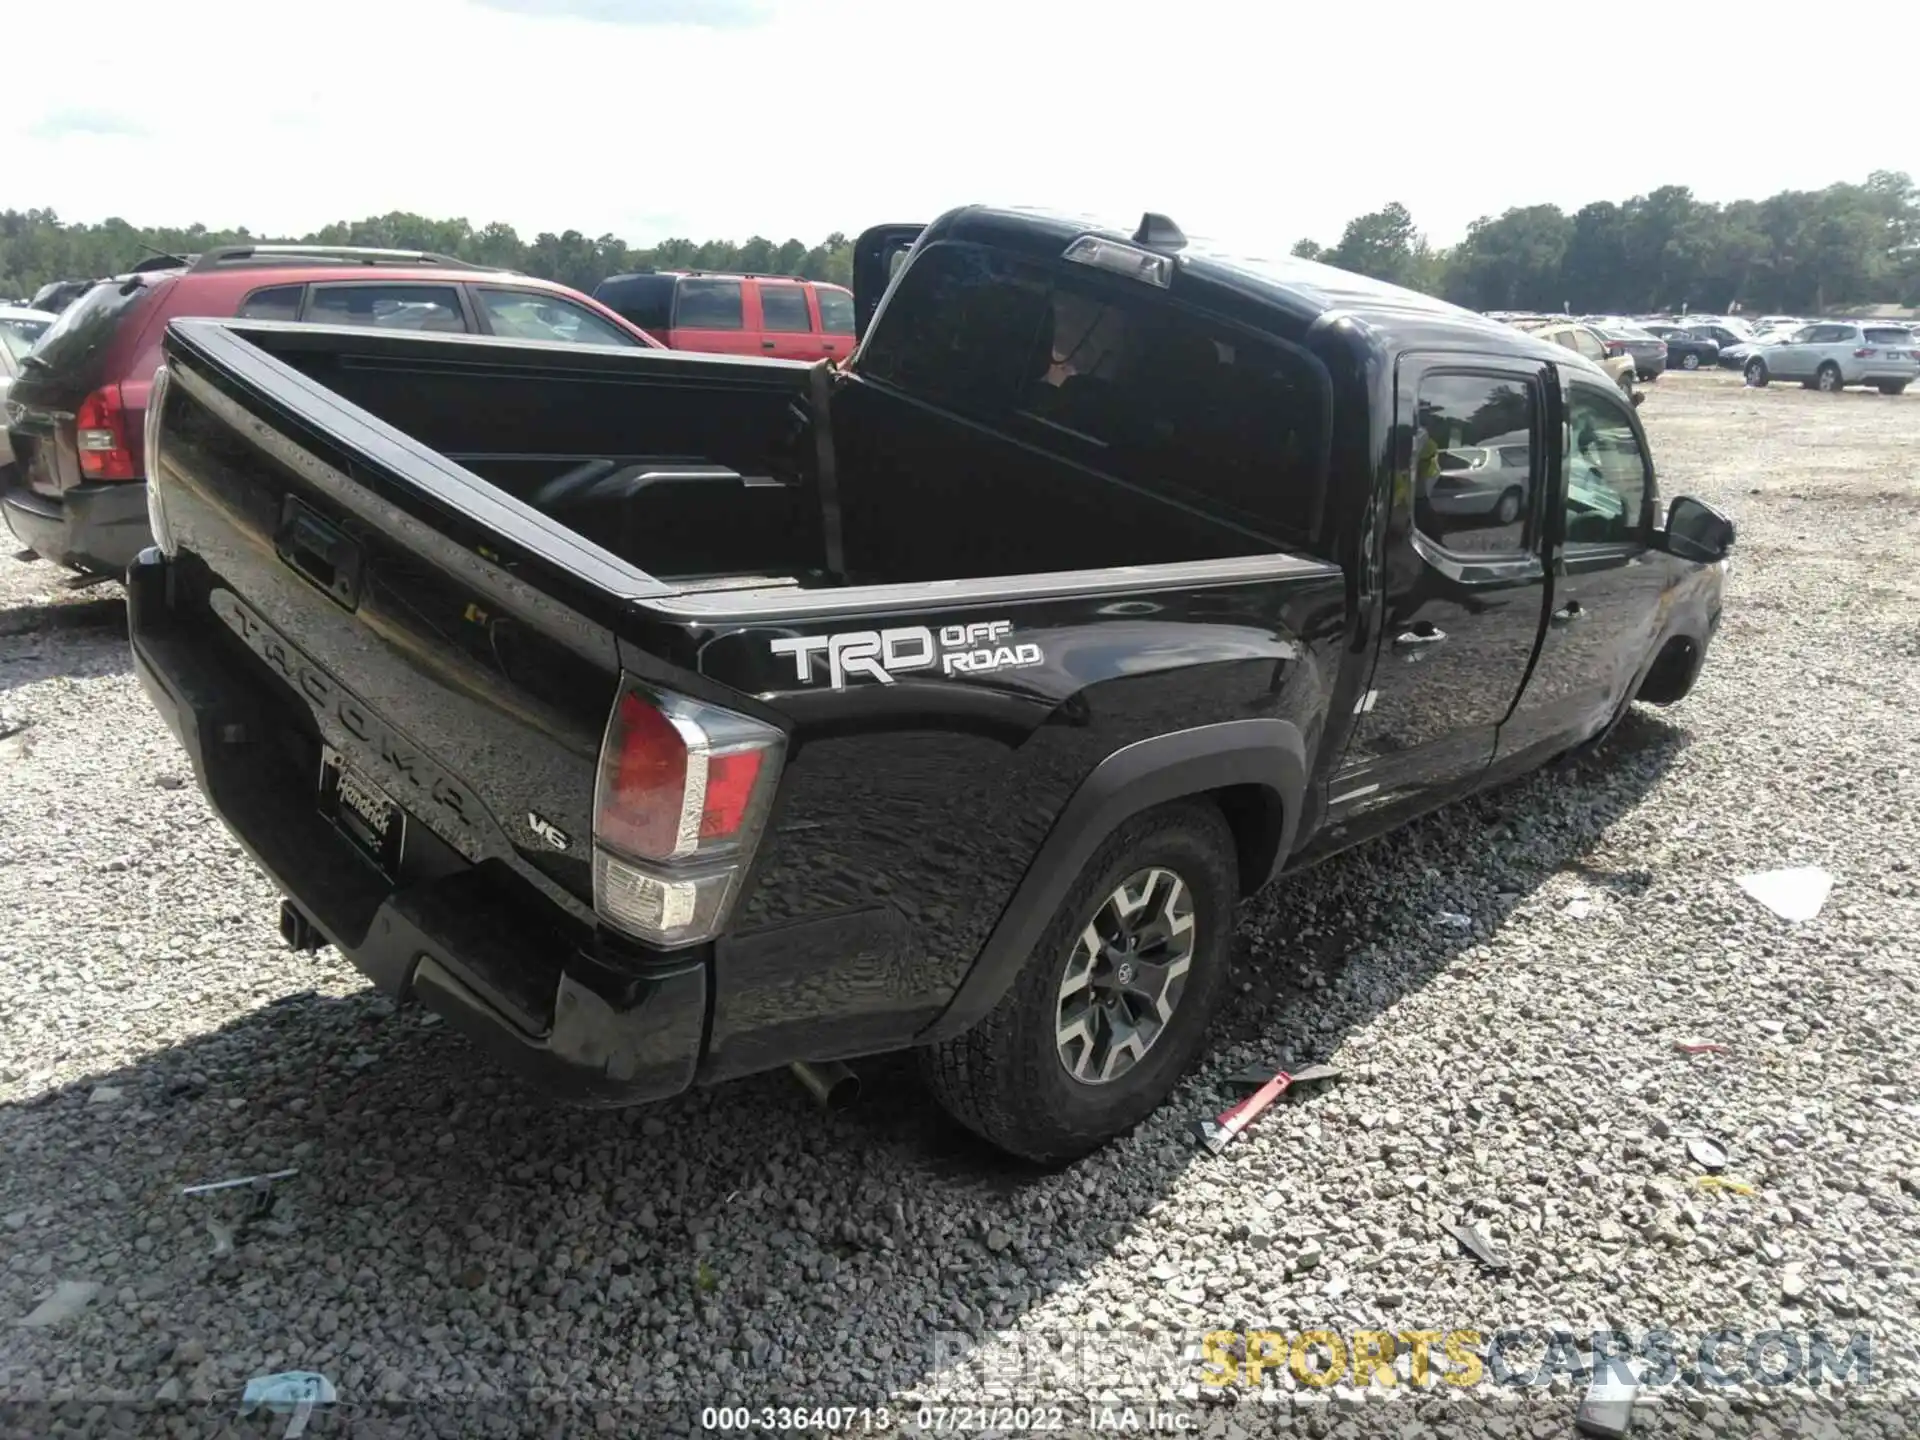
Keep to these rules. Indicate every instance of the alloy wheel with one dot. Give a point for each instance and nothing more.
(1125, 976)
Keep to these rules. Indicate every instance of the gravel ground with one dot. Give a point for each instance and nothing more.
(458, 1257)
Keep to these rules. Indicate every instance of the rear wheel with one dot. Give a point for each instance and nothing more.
(1893, 387)
(1689, 362)
(1757, 373)
(1113, 1004)
(1827, 378)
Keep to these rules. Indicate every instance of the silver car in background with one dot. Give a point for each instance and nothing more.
(19, 329)
(1833, 354)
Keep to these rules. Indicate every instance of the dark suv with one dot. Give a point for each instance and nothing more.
(76, 413)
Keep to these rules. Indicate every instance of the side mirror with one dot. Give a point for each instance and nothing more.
(1697, 531)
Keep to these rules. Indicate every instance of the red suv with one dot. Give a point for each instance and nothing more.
(75, 493)
(777, 315)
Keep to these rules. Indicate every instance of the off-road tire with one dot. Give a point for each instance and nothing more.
(1004, 1079)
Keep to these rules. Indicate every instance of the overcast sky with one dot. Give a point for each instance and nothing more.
(1255, 123)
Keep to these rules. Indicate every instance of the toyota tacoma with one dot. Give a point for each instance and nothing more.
(662, 718)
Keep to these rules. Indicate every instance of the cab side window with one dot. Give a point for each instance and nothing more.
(1609, 482)
(1473, 461)
(1193, 410)
(277, 302)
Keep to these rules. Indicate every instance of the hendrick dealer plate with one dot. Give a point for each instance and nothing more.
(361, 811)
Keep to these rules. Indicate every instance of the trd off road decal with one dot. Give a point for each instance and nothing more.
(974, 649)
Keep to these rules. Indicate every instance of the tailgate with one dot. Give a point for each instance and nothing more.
(433, 637)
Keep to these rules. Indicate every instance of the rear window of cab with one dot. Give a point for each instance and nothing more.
(1115, 376)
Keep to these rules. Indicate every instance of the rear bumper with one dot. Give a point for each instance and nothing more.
(97, 527)
(501, 965)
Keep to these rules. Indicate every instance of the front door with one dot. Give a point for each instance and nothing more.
(1608, 590)
(1464, 587)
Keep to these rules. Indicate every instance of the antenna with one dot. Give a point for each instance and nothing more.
(1159, 232)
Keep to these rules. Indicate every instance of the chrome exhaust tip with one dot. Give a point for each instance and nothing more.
(832, 1085)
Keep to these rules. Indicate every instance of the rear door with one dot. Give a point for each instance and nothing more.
(833, 317)
(786, 320)
(1465, 586)
(710, 314)
(1608, 588)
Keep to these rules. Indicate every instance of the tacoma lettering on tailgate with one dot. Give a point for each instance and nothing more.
(447, 804)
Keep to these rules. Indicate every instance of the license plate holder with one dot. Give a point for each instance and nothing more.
(362, 811)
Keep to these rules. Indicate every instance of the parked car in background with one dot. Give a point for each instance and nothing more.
(1834, 354)
(1685, 350)
(1723, 333)
(778, 315)
(1583, 339)
(20, 327)
(76, 493)
(1628, 337)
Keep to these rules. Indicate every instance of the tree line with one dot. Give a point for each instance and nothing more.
(1800, 251)
(37, 246)
(1797, 252)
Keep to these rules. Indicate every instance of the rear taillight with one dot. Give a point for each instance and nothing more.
(683, 793)
(1865, 353)
(101, 434)
(1616, 347)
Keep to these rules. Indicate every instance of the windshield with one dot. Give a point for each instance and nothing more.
(18, 335)
(74, 344)
(532, 315)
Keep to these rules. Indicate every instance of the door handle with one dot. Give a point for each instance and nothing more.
(1568, 613)
(1408, 639)
(766, 344)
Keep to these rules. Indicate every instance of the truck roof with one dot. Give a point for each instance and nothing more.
(1252, 281)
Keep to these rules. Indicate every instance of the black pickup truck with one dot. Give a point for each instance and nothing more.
(662, 718)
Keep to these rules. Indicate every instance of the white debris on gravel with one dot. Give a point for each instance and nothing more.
(68, 1299)
(457, 1245)
(1795, 894)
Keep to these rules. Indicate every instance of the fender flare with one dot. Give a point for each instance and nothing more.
(1269, 754)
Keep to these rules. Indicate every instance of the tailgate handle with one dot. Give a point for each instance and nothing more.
(320, 552)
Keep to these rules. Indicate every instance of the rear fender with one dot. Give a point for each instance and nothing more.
(1264, 757)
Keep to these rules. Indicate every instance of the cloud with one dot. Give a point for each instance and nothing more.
(710, 14)
(59, 124)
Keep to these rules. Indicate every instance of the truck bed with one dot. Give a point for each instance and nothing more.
(434, 559)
